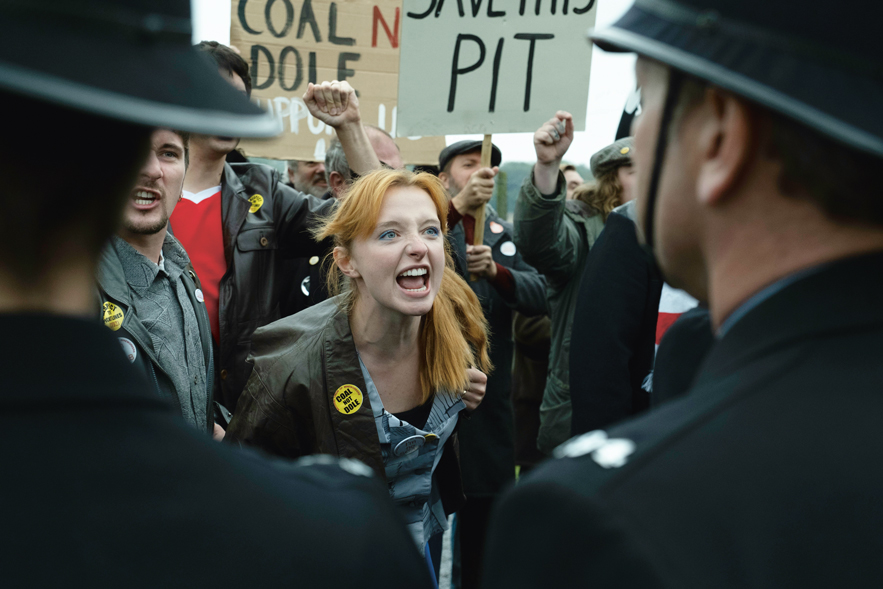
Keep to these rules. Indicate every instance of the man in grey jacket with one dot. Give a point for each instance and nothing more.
(150, 294)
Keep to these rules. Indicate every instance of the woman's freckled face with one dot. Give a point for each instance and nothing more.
(401, 264)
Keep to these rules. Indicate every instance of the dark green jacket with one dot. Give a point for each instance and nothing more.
(554, 236)
(301, 363)
(113, 291)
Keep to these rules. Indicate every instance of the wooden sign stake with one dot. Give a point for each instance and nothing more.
(478, 237)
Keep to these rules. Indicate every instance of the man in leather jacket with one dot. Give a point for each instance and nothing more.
(240, 223)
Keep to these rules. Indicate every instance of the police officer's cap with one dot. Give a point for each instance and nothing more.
(818, 63)
(129, 60)
(618, 153)
(466, 146)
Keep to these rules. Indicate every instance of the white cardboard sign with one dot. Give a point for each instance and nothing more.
(492, 66)
(289, 43)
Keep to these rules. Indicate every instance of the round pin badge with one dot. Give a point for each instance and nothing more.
(305, 286)
(314, 260)
(508, 249)
(113, 316)
(257, 201)
(348, 399)
(495, 227)
(409, 444)
(199, 296)
(129, 349)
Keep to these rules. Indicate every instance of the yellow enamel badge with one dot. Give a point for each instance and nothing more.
(113, 316)
(348, 399)
(257, 201)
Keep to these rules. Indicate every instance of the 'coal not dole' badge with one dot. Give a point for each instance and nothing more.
(257, 201)
(348, 399)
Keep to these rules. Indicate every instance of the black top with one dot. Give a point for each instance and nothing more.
(111, 486)
(681, 351)
(418, 415)
(613, 339)
(766, 474)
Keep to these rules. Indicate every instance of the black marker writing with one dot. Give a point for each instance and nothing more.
(456, 70)
(532, 37)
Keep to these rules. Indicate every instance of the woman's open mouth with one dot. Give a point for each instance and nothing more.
(415, 280)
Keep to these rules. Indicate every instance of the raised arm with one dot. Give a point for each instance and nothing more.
(548, 240)
(336, 104)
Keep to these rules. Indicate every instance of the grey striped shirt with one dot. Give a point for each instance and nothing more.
(410, 456)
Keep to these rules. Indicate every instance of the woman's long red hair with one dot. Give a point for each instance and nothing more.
(454, 334)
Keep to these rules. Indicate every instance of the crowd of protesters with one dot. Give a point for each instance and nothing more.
(665, 375)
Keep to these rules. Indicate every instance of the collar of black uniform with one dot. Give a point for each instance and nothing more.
(840, 297)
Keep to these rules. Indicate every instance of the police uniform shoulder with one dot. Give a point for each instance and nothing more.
(592, 461)
(586, 462)
(327, 470)
(321, 472)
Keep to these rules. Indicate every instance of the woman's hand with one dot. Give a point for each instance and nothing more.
(473, 395)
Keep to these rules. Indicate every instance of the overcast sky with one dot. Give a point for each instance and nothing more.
(612, 80)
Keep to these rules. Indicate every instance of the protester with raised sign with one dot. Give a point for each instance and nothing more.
(240, 222)
(555, 235)
(505, 283)
(381, 371)
(104, 483)
(758, 152)
(149, 293)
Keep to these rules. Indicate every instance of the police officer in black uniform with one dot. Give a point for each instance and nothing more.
(758, 154)
(103, 484)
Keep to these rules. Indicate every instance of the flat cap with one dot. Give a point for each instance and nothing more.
(614, 155)
(466, 146)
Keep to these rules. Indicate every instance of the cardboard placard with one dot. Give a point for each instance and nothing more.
(493, 66)
(289, 43)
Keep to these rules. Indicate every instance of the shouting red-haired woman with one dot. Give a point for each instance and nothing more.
(380, 371)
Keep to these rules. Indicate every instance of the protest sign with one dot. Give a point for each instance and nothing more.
(493, 66)
(289, 43)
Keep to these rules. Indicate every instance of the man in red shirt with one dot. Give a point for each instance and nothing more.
(240, 223)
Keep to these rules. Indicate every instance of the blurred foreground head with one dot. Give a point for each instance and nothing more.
(96, 82)
(757, 139)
